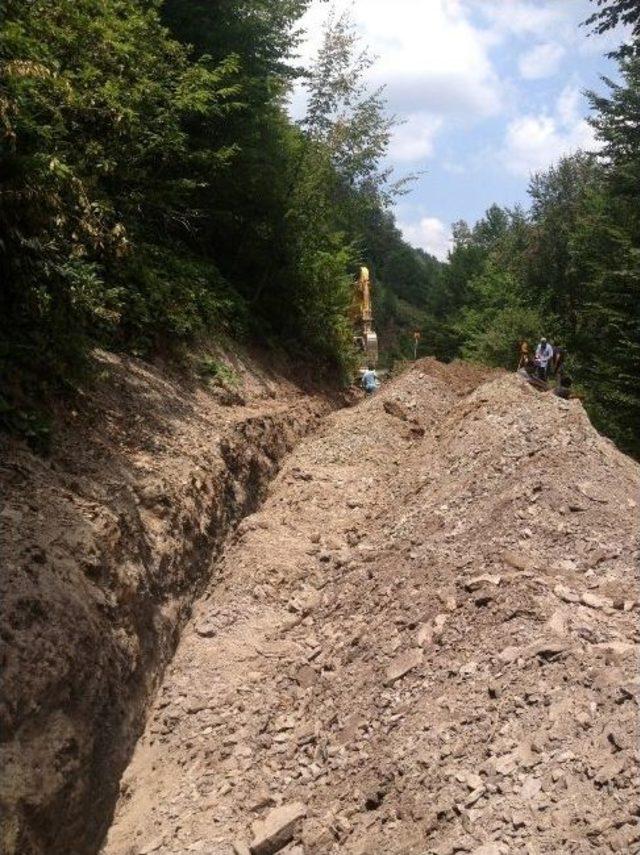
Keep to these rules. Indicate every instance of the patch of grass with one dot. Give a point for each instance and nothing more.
(212, 369)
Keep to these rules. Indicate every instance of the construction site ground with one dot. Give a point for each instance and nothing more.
(424, 641)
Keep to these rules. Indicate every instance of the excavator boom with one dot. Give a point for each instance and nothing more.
(364, 337)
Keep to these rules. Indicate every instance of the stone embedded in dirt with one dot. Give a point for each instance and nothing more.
(240, 848)
(547, 649)
(557, 624)
(530, 788)
(473, 780)
(402, 664)
(510, 654)
(518, 561)
(518, 819)
(490, 849)
(610, 770)
(153, 846)
(425, 635)
(272, 834)
(394, 408)
(618, 739)
(594, 493)
(480, 581)
(438, 626)
(593, 601)
(493, 689)
(306, 677)
(506, 764)
(206, 628)
(563, 593)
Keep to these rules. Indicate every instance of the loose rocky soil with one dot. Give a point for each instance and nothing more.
(105, 544)
(424, 641)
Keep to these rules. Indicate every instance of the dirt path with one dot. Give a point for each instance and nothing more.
(424, 642)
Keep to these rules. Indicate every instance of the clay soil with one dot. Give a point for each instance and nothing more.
(424, 641)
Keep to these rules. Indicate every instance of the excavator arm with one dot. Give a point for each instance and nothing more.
(364, 336)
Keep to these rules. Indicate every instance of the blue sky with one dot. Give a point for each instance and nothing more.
(489, 91)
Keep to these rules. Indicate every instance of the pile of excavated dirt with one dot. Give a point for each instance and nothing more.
(105, 544)
(424, 641)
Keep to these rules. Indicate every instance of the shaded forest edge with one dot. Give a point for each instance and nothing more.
(155, 192)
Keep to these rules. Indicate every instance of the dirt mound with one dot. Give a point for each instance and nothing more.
(423, 642)
(105, 545)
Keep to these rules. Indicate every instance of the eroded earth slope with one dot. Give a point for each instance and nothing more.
(425, 641)
(105, 543)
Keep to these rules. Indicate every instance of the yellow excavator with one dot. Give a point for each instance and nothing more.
(364, 338)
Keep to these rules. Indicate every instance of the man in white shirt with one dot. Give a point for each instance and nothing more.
(544, 355)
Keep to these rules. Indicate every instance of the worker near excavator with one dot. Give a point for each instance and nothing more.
(370, 381)
(525, 355)
(544, 355)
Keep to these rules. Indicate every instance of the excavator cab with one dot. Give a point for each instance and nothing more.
(364, 337)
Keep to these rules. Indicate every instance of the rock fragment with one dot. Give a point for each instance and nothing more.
(272, 834)
(481, 581)
(402, 664)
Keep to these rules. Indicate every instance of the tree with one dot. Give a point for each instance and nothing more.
(608, 241)
(612, 13)
(345, 117)
(554, 273)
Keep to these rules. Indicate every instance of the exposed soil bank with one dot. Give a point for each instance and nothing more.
(105, 545)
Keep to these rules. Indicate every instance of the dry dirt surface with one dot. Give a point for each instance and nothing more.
(425, 641)
(105, 543)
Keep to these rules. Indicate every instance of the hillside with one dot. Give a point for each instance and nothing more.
(424, 641)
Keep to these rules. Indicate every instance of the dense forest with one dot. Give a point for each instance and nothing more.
(154, 191)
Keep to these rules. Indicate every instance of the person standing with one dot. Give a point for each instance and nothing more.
(558, 361)
(525, 356)
(544, 355)
(370, 380)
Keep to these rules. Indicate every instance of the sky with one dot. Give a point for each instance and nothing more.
(489, 91)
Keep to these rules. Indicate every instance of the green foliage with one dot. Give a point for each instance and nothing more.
(612, 13)
(570, 269)
(213, 369)
(108, 127)
(155, 191)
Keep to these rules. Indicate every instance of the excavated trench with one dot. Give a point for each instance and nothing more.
(422, 642)
(415, 641)
(93, 615)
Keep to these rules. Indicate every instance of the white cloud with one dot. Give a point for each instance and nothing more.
(414, 140)
(534, 142)
(541, 61)
(430, 234)
(521, 18)
(432, 59)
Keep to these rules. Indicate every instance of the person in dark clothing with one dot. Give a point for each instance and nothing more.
(563, 389)
(557, 363)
